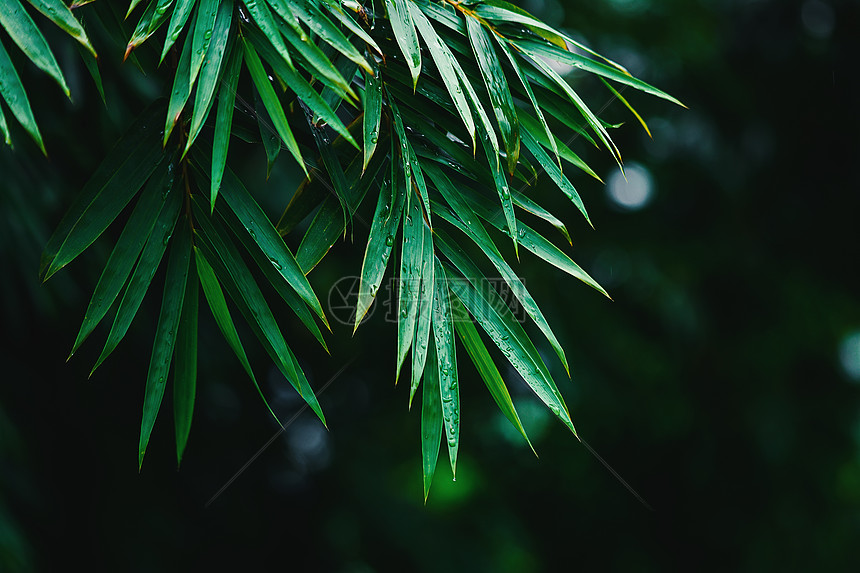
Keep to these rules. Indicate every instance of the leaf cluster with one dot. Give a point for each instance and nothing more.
(437, 112)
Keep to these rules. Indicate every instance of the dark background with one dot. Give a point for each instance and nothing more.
(719, 383)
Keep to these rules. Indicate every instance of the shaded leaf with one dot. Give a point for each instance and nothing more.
(23, 30)
(185, 369)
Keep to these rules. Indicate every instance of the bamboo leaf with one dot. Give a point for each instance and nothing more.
(425, 312)
(211, 71)
(554, 173)
(177, 23)
(490, 311)
(497, 88)
(60, 14)
(372, 115)
(224, 122)
(409, 285)
(486, 367)
(431, 423)
(263, 17)
(149, 22)
(319, 23)
(115, 182)
(181, 91)
(24, 32)
(147, 264)
(447, 65)
(380, 241)
(469, 224)
(165, 334)
(127, 249)
(208, 14)
(270, 100)
(185, 369)
(401, 18)
(13, 92)
(218, 305)
(443, 336)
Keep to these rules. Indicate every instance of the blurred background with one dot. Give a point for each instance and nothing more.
(723, 382)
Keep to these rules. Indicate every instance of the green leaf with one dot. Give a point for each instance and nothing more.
(181, 91)
(271, 141)
(504, 192)
(13, 92)
(554, 172)
(327, 31)
(372, 115)
(620, 98)
(185, 369)
(92, 66)
(443, 336)
(275, 278)
(409, 285)
(211, 70)
(497, 87)
(4, 129)
(447, 65)
(317, 61)
(149, 22)
(431, 423)
(507, 13)
(402, 24)
(218, 306)
(527, 87)
(127, 249)
(380, 241)
(209, 12)
(469, 224)
(60, 14)
(23, 30)
(224, 122)
(115, 182)
(263, 17)
(258, 226)
(177, 23)
(486, 367)
(145, 269)
(587, 64)
(246, 294)
(352, 26)
(494, 316)
(557, 146)
(528, 205)
(589, 116)
(301, 87)
(411, 167)
(425, 312)
(270, 100)
(165, 333)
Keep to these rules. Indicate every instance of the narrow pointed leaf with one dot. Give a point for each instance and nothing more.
(497, 88)
(447, 64)
(443, 336)
(372, 115)
(218, 305)
(527, 204)
(409, 285)
(185, 369)
(317, 61)
(400, 17)
(380, 241)
(425, 312)
(23, 30)
(165, 333)
(127, 249)
(147, 264)
(60, 14)
(270, 100)
(431, 423)
(258, 226)
(177, 22)
(485, 365)
(224, 122)
(554, 172)
(265, 20)
(12, 90)
(491, 312)
(115, 182)
(352, 26)
(557, 146)
(208, 13)
(181, 90)
(319, 24)
(210, 72)
(150, 21)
